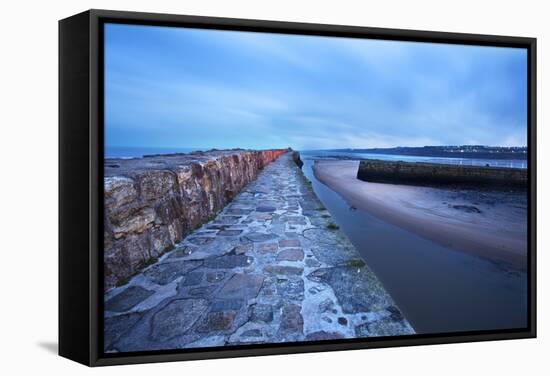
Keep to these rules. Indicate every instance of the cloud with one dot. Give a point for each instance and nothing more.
(190, 88)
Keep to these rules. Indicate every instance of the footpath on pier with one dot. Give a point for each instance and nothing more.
(271, 267)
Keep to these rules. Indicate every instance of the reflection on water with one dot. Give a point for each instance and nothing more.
(438, 289)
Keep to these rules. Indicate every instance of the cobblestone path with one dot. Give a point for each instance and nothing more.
(271, 267)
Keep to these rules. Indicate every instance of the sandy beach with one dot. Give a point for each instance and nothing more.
(491, 225)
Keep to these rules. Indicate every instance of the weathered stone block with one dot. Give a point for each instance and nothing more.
(283, 270)
(132, 220)
(168, 271)
(127, 299)
(242, 286)
(177, 318)
(262, 313)
(119, 191)
(156, 184)
(217, 321)
(289, 243)
(268, 247)
(292, 321)
(291, 254)
(291, 289)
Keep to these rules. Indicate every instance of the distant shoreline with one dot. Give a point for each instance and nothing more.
(492, 229)
(464, 151)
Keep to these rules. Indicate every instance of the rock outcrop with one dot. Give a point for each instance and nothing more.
(152, 203)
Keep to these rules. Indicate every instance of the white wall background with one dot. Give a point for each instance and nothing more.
(28, 185)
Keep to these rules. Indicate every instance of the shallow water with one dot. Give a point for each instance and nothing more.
(438, 289)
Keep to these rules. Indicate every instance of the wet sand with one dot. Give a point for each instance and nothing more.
(491, 225)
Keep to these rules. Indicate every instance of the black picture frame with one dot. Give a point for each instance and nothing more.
(81, 188)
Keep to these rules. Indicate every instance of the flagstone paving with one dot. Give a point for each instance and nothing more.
(271, 267)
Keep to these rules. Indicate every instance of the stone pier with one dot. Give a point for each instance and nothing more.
(271, 267)
(437, 174)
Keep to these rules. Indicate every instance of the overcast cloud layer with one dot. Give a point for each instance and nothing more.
(175, 87)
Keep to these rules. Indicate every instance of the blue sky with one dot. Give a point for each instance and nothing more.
(176, 87)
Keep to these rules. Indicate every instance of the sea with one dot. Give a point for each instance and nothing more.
(138, 152)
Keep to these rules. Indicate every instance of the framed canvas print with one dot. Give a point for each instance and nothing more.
(235, 187)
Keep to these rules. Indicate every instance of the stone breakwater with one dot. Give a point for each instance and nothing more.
(433, 174)
(271, 267)
(296, 158)
(152, 203)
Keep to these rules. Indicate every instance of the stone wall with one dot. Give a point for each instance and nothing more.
(296, 158)
(152, 203)
(440, 174)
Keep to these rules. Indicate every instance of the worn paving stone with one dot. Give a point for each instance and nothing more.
(228, 261)
(230, 232)
(239, 211)
(260, 237)
(266, 209)
(244, 286)
(192, 279)
(327, 305)
(227, 305)
(322, 236)
(219, 226)
(243, 248)
(260, 216)
(291, 254)
(316, 289)
(117, 326)
(202, 290)
(215, 277)
(289, 243)
(283, 270)
(177, 317)
(164, 273)
(268, 247)
(207, 233)
(291, 289)
(252, 333)
(262, 313)
(127, 299)
(311, 263)
(354, 288)
(291, 320)
(217, 321)
(229, 219)
(202, 240)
